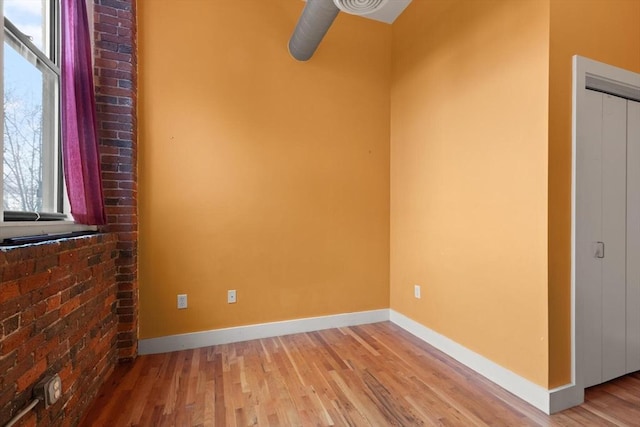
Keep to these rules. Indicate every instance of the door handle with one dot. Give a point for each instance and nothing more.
(598, 250)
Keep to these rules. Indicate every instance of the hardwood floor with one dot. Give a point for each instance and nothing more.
(376, 375)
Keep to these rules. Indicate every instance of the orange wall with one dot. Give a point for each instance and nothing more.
(606, 31)
(259, 173)
(469, 111)
(269, 176)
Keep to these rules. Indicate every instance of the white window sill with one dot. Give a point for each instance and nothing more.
(28, 228)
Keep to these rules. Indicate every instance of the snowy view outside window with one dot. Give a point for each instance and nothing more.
(30, 150)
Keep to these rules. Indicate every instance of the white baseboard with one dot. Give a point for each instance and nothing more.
(548, 401)
(252, 332)
(565, 397)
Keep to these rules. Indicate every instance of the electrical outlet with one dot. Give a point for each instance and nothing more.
(49, 390)
(182, 301)
(231, 296)
(416, 291)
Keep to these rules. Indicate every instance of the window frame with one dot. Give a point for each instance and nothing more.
(25, 223)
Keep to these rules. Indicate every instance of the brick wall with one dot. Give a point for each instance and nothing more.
(71, 306)
(116, 98)
(57, 315)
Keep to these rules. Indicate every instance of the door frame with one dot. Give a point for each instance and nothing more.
(588, 74)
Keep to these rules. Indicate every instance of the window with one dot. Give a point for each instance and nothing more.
(33, 196)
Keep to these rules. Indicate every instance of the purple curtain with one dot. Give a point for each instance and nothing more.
(79, 125)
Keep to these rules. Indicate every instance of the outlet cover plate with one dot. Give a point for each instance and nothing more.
(182, 301)
(49, 390)
(231, 296)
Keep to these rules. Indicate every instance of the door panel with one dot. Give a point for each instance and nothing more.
(633, 236)
(614, 218)
(609, 202)
(588, 231)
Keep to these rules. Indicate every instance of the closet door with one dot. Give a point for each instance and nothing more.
(633, 236)
(609, 204)
(588, 234)
(614, 222)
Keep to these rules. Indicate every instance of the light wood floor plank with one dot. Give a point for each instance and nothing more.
(368, 375)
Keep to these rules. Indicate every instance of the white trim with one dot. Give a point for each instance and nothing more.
(35, 228)
(565, 397)
(548, 401)
(2, 112)
(252, 332)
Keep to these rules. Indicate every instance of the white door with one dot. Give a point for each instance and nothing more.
(608, 247)
(633, 236)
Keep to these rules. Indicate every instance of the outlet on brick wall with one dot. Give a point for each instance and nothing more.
(57, 317)
(71, 306)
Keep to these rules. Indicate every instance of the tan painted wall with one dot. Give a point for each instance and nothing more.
(259, 173)
(469, 111)
(271, 177)
(606, 31)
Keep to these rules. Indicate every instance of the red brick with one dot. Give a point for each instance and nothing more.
(8, 291)
(116, 124)
(46, 263)
(66, 258)
(101, 11)
(11, 376)
(125, 66)
(82, 294)
(118, 74)
(117, 177)
(109, 300)
(116, 60)
(61, 272)
(105, 63)
(125, 135)
(65, 375)
(128, 184)
(125, 310)
(30, 377)
(8, 362)
(121, 295)
(69, 306)
(13, 341)
(43, 322)
(7, 393)
(116, 193)
(46, 349)
(116, 56)
(34, 281)
(11, 325)
(109, 151)
(124, 32)
(29, 313)
(16, 270)
(125, 14)
(125, 327)
(53, 302)
(15, 305)
(106, 25)
(29, 347)
(107, 82)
